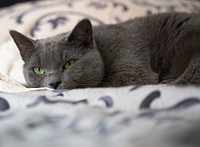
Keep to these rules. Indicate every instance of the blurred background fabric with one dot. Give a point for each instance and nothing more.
(5, 3)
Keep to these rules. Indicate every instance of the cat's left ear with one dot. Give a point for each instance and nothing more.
(82, 33)
(24, 44)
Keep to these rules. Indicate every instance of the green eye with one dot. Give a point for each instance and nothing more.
(69, 64)
(38, 70)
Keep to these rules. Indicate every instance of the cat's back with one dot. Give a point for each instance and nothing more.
(173, 39)
(154, 32)
(157, 39)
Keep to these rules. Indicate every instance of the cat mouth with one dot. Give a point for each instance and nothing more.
(54, 85)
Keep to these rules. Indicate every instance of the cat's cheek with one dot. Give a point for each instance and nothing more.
(35, 81)
(66, 84)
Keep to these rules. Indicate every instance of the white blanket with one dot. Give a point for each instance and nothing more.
(138, 116)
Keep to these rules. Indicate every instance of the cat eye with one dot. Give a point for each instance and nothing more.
(38, 70)
(69, 64)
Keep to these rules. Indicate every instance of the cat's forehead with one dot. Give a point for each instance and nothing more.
(59, 37)
(55, 43)
(54, 39)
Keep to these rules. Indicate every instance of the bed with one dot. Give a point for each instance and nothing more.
(131, 116)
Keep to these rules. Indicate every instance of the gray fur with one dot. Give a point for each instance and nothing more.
(148, 50)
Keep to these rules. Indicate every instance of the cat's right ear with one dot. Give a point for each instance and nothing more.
(24, 44)
(82, 33)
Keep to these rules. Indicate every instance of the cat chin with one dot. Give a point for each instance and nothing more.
(66, 86)
(70, 86)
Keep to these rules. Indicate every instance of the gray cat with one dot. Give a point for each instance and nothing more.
(162, 48)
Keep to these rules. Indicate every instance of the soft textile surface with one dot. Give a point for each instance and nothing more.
(153, 116)
(45, 18)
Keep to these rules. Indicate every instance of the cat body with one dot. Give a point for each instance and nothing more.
(162, 48)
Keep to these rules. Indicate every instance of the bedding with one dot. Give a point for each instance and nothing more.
(138, 116)
(151, 115)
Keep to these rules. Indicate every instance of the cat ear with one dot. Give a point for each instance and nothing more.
(82, 32)
(24, 44)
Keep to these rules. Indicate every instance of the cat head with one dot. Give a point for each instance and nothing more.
(66, 61)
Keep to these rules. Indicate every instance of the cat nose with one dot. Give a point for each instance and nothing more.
(54, 85)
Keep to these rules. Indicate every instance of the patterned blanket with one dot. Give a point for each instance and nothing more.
(138, 116)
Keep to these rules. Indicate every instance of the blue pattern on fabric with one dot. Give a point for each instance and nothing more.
(108, 101)
(149, 99)
(4, 105)
(45, 100)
